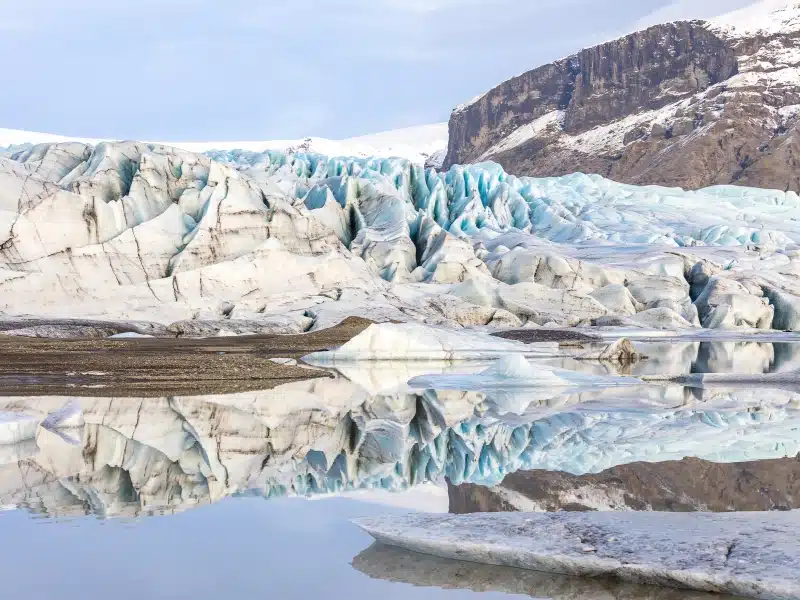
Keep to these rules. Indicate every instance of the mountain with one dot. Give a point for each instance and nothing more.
(688, 104)
(422, 144)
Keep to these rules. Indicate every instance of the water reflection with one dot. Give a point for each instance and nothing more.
(393, 564)
(687, 485)
(684, 358)
(142, 456)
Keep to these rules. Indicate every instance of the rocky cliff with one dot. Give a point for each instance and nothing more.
(687, 104)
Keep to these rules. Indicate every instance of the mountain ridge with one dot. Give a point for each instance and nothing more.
(685, 104)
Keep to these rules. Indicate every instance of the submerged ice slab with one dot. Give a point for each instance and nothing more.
(747, 554)
(391, 563)
(514, 371)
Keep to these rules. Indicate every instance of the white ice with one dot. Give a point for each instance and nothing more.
(754, 555)
(514, 371)
(267, 242)
(411, 341)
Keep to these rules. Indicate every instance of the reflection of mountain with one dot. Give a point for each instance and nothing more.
(393, 564)
(128, 456)
(687, 485)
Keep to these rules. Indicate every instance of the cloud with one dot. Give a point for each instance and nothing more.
(679, 10)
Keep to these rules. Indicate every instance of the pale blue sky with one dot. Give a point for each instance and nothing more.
(189, 70)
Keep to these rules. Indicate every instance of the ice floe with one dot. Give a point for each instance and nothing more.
(754, 555)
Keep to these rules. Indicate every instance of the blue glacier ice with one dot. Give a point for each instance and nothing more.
(576, 208)
(153, 232)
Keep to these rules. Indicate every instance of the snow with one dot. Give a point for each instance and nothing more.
(752, 555)
(18, 137)
(466, 105)
(765, 17)
(552, 121)
(416, 144)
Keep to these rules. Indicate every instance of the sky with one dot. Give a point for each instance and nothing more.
(197, 70)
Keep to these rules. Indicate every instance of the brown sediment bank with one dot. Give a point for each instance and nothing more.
(532, 336)
(161, 366)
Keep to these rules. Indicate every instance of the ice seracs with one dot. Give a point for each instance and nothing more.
(251, 242)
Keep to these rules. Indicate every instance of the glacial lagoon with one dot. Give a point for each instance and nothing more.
(252, 494)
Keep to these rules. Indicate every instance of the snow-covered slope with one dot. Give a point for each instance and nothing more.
(695, 103)
(417, 144)
(763, 17)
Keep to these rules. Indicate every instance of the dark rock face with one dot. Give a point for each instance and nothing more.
(685, 104)
(645, 70)
(687, 485)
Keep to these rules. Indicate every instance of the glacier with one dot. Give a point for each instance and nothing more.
(239, 241)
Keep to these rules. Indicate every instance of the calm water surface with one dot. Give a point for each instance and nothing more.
(251, 495)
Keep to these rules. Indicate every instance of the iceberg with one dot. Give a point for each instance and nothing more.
(15, 427)
(411, 341)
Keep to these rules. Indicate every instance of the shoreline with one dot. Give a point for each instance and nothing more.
(162, 366)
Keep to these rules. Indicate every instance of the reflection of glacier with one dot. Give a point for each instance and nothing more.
(130, 456)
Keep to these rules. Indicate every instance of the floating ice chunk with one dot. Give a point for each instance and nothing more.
(69, 415)
(513, 371)
(283, 361)
(128, 335)
(16, 427)
(412, 341)
(746, 554)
